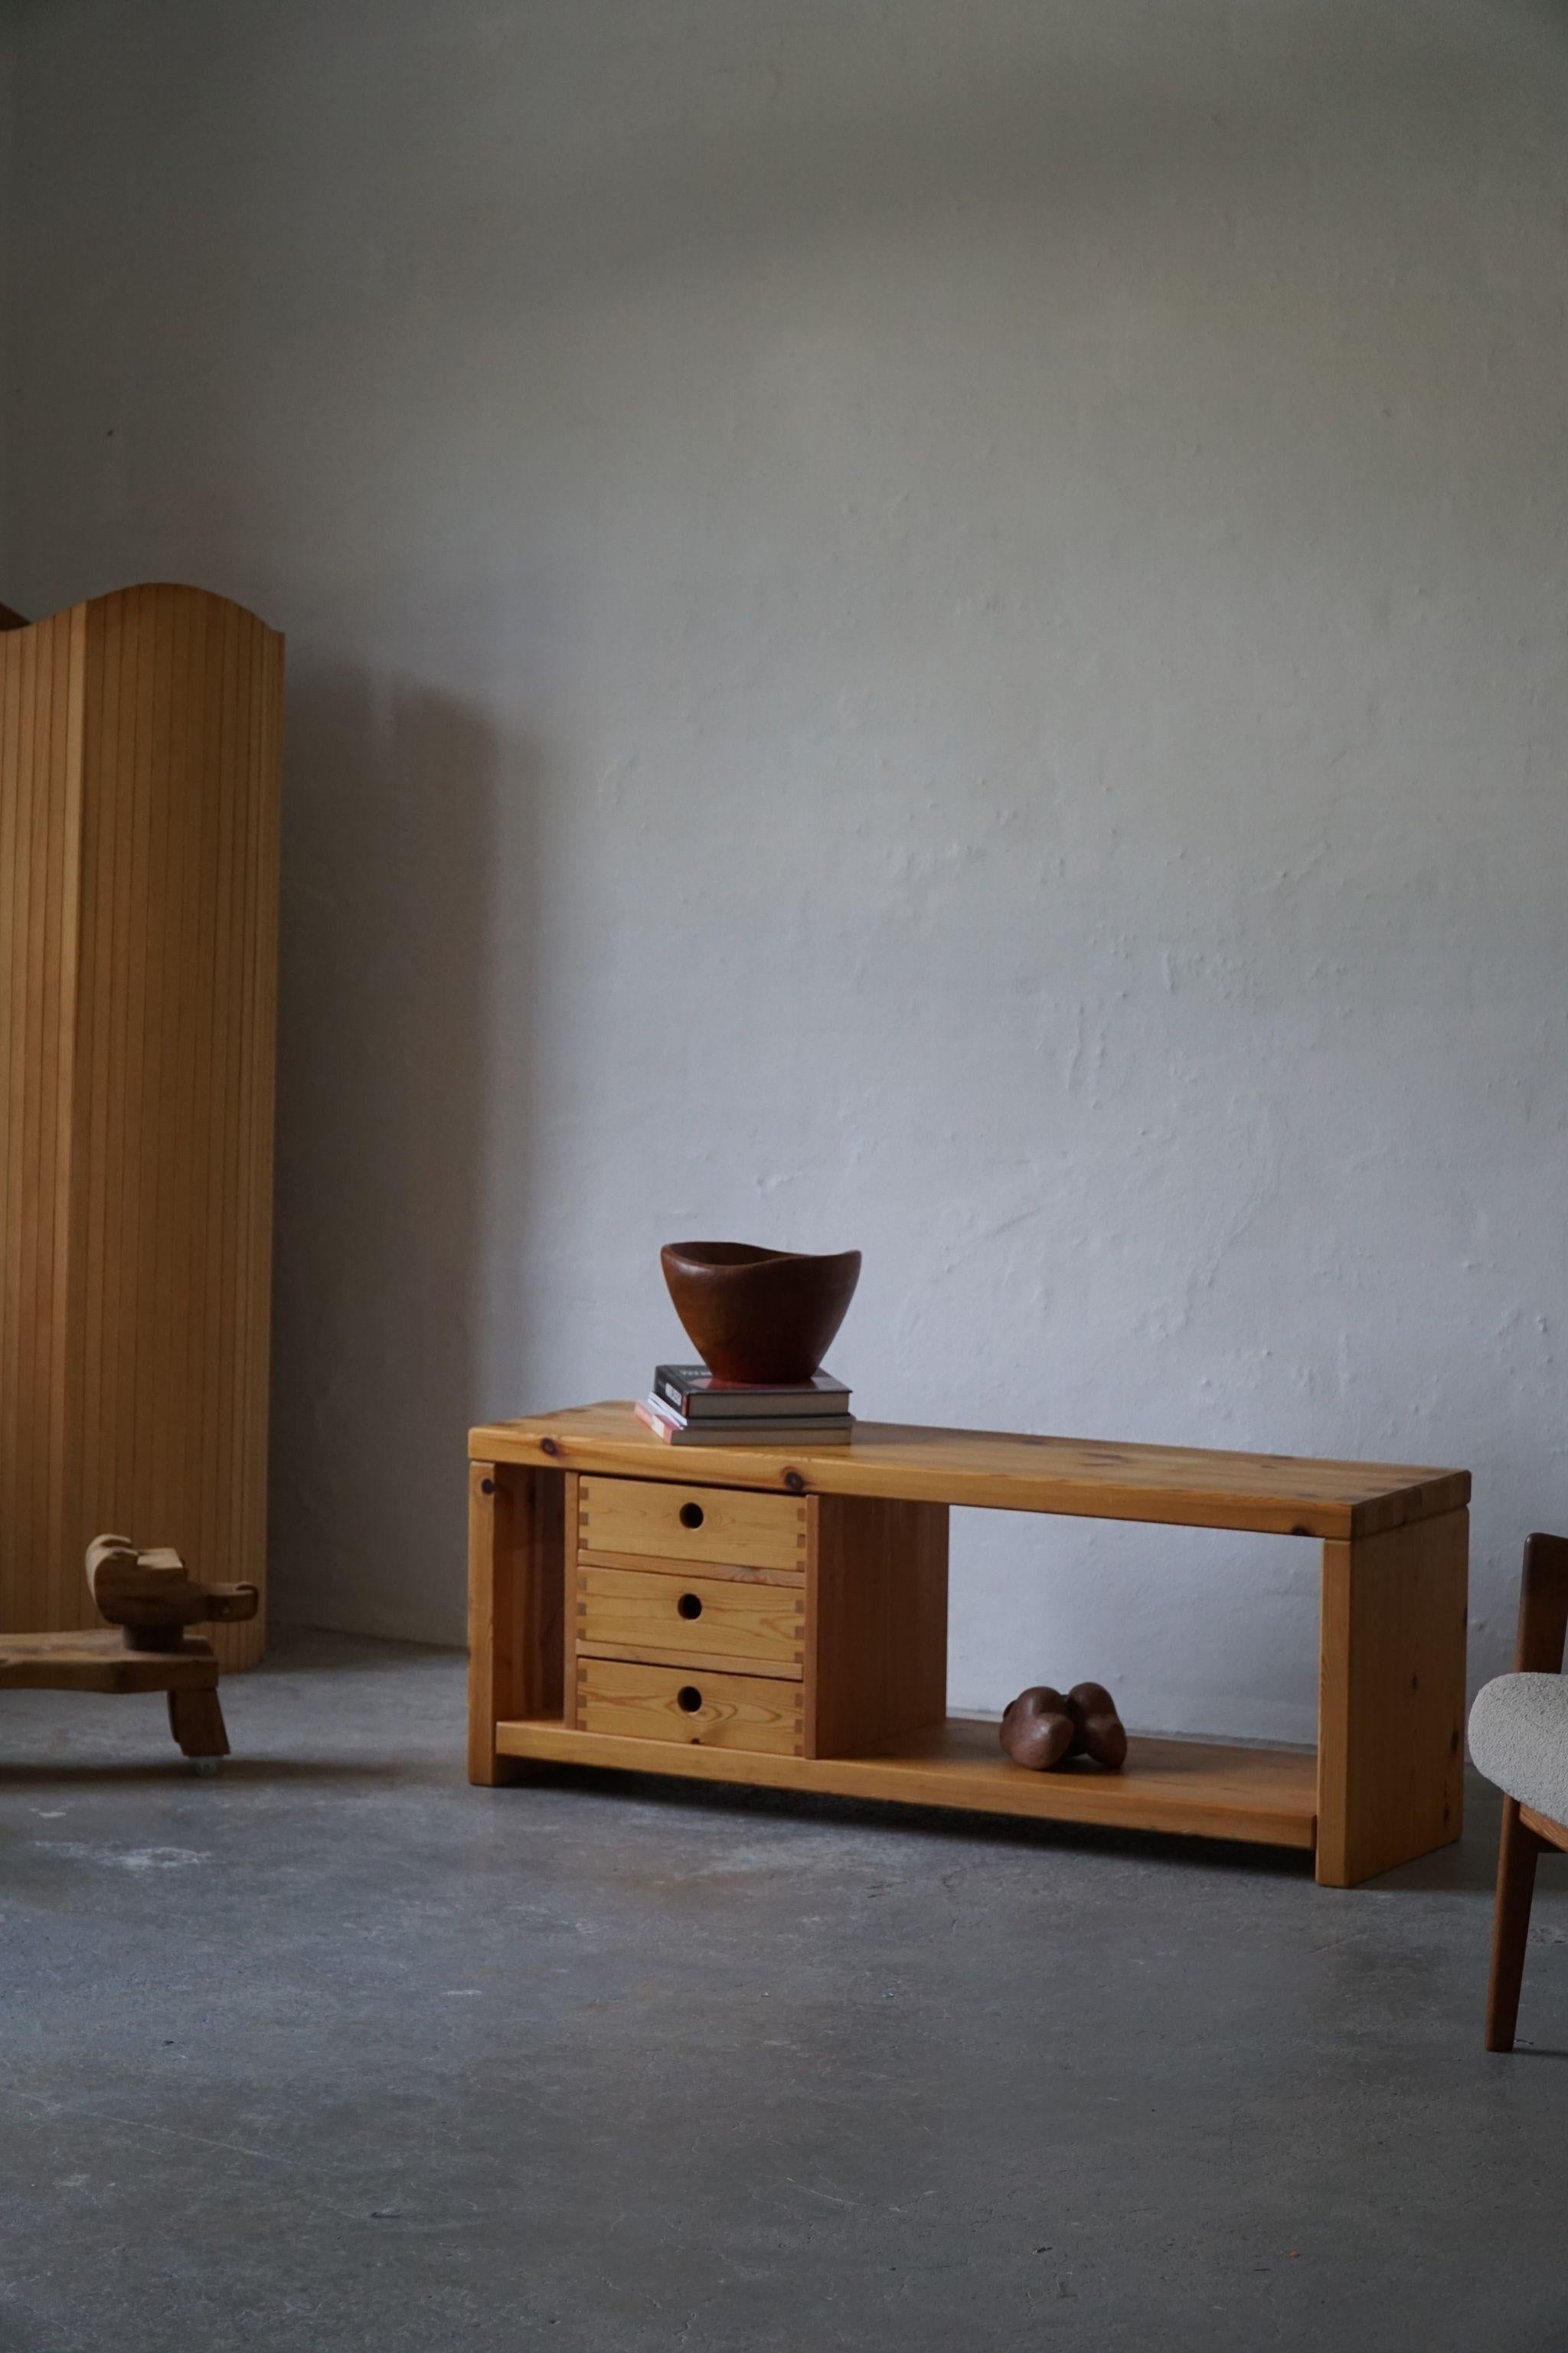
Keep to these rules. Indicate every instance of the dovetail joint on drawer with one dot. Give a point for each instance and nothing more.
(696, 1705)
(718, 1619)
(720, 1524)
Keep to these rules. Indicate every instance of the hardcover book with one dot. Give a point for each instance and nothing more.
(699, 1395)
(816, 1429)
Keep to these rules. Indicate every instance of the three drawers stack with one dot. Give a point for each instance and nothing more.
(689, 1615)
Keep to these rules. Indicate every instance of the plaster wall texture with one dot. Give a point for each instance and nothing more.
(933, 627)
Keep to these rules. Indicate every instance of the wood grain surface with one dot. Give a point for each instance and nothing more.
(690, 1706)
(686, 1521)
(1262, 1795)
(1276, 1494)
(516, 1603)
(876, 1607)
(704, 1621)
(1391, 1705)
(99, 1662)
(140, 763)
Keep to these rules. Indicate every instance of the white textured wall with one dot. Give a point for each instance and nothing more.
(933, 627)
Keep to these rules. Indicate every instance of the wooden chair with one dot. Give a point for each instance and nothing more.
(1519, 1738)
(149, 1597)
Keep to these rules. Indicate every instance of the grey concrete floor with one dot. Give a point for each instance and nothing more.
(334, 2052)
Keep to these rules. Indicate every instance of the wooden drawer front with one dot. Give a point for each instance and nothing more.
(715, 1524)
(699, 1620)
(690, 1704)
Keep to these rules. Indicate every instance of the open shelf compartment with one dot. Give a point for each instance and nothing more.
(1204, 1789)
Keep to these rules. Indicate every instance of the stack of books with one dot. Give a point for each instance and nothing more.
(688, 1406)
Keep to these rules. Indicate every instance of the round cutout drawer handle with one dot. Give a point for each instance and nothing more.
(688, 1699)
(691, 1515)
(690, 1605)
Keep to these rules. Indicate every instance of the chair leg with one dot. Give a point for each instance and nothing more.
(196, 1719)
(1510, 1925)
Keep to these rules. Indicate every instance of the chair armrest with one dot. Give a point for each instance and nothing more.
(1542, 1606)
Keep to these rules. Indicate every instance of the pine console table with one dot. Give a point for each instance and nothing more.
(779, 1617)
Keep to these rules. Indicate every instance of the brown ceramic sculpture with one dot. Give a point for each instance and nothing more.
(1042, 1728)
(759, 1315)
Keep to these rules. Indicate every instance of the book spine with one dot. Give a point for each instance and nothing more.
(724, 1433)
(762, 1408)
(749, 1405)
(666, 1425)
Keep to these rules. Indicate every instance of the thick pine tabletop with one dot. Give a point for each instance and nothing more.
(1177, 1486)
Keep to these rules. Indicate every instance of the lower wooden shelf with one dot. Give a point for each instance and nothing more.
(1202, 1788)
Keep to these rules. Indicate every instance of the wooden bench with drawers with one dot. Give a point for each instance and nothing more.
(780, 1617)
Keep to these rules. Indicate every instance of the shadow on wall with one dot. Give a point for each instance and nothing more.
(389, 819)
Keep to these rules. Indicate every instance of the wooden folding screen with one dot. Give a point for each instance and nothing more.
(140, 758)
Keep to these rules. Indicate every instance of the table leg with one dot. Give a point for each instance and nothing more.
(1391, 1702)
(196, 1719)
(516, 1606)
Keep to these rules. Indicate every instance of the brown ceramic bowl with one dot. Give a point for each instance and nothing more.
(759, 1315)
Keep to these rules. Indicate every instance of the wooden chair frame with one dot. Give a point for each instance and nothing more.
(1543, 1629)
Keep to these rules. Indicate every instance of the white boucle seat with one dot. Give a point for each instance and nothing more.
(1519, 1738)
